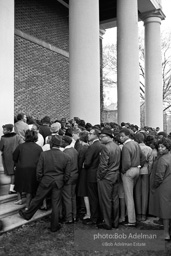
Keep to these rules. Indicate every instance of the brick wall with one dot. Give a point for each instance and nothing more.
(41, 75)
(44, 19)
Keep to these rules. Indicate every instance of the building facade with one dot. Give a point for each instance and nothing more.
(50, 58)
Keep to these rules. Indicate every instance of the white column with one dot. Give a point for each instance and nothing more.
(84, 67)
(153, 71)
(6, 70)
(128, 62)
(6, 62)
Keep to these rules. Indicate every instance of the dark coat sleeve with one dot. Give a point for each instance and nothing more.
(67, 171)
(89, 155)
(16, 154)
(40, 168)
(160, 171)
(81, 157)
(1, 144)
(103, 166)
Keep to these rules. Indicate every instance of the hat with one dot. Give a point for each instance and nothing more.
(56, 140)
(67, 139)
(107, 131)
(55, 127)
(46, 120)
(9, 127)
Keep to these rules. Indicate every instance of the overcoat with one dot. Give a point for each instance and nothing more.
(51, 167)
(26, 157)
(160, 192)
(8, 144)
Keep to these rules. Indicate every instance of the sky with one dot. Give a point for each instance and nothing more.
(110, 37)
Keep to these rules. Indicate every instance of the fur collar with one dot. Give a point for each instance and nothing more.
(11, 134)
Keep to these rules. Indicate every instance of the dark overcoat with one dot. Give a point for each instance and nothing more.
(53, 165)
(8, 144)
(160, 193)
(26, 157)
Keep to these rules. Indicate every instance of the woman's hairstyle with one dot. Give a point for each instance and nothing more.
(166, 142)
(125, 131)
(83, 136)
(31, 136)
(139, 137)
(20, 116)
(30, 120)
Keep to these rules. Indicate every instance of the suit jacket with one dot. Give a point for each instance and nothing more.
(73, 154)
(109, 162)
(53, 165)
(92, 159)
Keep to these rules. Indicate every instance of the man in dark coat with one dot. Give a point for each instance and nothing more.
(91, 163)
(53, 171)
(108, 180)
(69, 189)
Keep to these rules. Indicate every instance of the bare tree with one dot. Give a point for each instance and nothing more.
(110, 65)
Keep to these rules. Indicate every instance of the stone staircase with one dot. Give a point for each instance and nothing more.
(9, 213)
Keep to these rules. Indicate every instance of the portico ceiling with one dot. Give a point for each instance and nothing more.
(108, 10)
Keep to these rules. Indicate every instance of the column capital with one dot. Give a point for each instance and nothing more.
(158, 13)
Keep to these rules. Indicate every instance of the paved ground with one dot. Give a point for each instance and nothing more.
(76, 240)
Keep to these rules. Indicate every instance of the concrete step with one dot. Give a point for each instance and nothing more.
(7, 198)
(9, 208)
(9, 213)
(4, 189)
(15, 221)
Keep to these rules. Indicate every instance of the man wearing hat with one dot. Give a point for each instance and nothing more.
(54, 129)
(108, 180)
(53, 171)
(69, 189)
(8, 143)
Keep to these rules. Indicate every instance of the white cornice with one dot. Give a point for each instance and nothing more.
(41, 43)
(63, 3)
(156, 13)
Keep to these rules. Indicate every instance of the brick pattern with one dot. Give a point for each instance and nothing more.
(41, 75)
(45, 19)
(41, 81)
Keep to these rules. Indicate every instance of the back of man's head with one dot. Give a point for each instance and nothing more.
(126, 131)
(56, 141)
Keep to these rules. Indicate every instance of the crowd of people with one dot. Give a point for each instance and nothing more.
(105, 174)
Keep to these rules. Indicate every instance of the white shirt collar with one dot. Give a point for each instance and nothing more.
(69, 146)
(95, 140)
(128, 140)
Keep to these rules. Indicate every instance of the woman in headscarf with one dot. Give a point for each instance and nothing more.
(160, 196)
